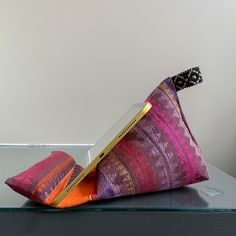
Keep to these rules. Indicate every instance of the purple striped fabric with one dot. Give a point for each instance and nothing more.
(158, 153)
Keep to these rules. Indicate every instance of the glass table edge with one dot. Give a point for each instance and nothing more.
(115, 209)
(98, 209)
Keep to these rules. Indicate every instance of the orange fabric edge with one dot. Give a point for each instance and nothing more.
(41, 185)
(82, 193)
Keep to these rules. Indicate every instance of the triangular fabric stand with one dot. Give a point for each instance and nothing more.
(158, 153)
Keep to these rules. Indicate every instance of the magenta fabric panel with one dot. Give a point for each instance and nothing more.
(159, 153)
(51, 170)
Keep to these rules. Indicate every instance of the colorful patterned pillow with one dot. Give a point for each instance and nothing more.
(159, 153)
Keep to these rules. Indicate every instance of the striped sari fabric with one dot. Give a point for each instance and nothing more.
(158, 153)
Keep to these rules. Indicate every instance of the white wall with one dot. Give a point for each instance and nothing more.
(68, 68)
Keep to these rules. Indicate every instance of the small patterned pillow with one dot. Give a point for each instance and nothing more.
(158, 153)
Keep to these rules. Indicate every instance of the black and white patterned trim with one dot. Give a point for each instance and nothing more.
(187, 78)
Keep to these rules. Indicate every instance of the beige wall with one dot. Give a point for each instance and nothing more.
(68, 69)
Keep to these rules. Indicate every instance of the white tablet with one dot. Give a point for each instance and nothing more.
(104, 145)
